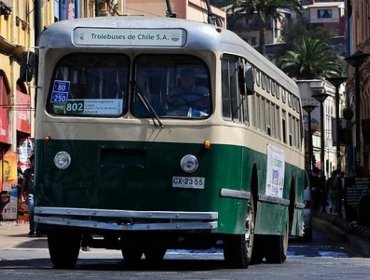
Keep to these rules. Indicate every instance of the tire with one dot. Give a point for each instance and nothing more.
(258, 252)
(131, 255)
(278, 247)
(154, 254)
(64, 248)
(131, 249)
(307, 235)
(238, 248)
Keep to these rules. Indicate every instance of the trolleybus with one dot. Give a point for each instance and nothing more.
(156, 133)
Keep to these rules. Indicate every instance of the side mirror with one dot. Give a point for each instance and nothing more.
(27, 68)
(249, 80)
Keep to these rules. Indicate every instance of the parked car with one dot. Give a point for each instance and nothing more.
(307, 211)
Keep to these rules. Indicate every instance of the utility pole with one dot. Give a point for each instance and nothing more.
(37, 20)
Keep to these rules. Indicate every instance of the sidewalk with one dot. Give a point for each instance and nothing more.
(357, 237)
(14, 236)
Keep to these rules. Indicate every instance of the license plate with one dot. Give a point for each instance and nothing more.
(188, 182)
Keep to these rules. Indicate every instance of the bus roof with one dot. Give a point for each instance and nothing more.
(197, 36)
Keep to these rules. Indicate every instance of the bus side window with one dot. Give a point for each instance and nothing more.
(283, 123)
(232, 103)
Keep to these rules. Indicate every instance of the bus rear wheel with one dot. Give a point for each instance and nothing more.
(238, 248)
(278, 247)
(64, 248)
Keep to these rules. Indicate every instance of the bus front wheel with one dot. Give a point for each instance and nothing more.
(131, 249)
(154, 254)
(238, 248)
(131, 255)
(64, 248)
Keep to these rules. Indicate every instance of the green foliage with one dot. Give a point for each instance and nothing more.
(263, 10)
(310, 59)
(266, 8)
(297, 32)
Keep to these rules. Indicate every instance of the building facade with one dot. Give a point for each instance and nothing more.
(17, 29)
(186, 9)
(328, 15)
(249, 29)
(358, 41)
(307, 89)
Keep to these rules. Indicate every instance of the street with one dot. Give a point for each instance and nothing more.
(320, 259)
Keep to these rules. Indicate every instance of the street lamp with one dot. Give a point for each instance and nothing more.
(321, 96)
(309, 109)
(356, 60)
(337, 81)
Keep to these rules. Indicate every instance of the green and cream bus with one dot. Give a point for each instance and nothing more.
(126, 160)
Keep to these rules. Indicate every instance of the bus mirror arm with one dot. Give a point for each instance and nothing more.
(241, 81)
(27, 69)
(249, 81)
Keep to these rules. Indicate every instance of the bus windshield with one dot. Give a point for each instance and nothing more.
(97, 85)
(90, 85)
(174, 85)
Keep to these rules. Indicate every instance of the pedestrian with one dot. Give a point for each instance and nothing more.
(28, 192)
(323, 192)
(340, 197)
(315, 189)
(332, 187)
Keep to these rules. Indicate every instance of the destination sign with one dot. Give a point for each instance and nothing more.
(128, 37)
(94, 107)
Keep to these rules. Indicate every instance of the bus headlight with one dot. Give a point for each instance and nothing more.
(189, 163)
(62, 160)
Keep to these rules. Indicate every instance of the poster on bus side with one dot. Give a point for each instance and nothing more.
(275, 171)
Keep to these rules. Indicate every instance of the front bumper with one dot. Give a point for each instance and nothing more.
(125, 220)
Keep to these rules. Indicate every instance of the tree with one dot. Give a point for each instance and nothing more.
(311, 59)
(264, 10)
(296, 32)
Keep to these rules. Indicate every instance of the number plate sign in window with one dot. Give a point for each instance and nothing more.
(59, 94)
(188, 182)
(128, 37)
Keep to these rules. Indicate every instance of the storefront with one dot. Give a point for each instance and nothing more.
(13, 163)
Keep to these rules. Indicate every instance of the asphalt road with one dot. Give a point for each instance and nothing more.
(323, 258)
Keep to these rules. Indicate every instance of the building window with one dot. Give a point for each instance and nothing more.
(253, 41)
(324, 13)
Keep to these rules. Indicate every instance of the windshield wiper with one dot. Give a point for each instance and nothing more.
(148, 106)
